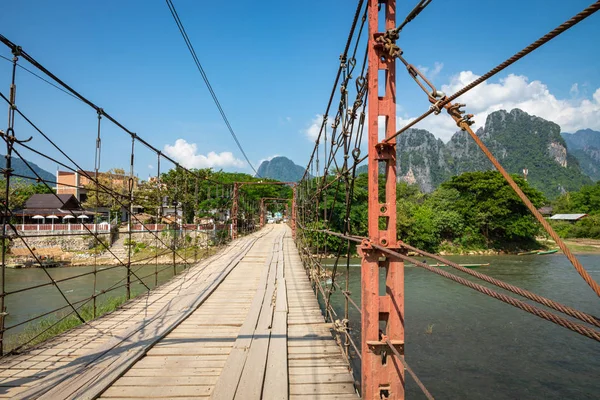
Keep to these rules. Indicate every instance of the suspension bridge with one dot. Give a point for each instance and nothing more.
(218, 303)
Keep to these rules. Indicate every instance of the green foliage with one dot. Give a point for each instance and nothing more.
(321, 240)
(588, 227)
(112, 191)
(136, 247)
(585, 201)
(489, 206)
(198, 197)
(473, 211)
(426, 235)
(522, 141)
(20, 191)
(476, 210)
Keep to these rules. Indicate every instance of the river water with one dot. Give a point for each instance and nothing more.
(25, 305)
(481, 348)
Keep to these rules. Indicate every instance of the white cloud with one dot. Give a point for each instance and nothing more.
(186, 154)
(574, 89)
(282, 121)
(440, 125)
(431, 73)
(312, 132)
(514, 91)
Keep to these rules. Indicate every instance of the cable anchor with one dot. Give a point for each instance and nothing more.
(465, 122)
(387, 41)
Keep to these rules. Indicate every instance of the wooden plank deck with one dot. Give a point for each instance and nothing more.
(242, 325)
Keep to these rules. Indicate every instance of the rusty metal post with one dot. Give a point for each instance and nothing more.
(382, 314)
(234, 210)
(9, 137)
(294, 193)
(262, 212)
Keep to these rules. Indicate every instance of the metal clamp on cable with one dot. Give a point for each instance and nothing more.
(437, 106)
(456, 112)
(465, 121)
(455, 109)
(341, 326)
(17, 51)
(342, 60)
(388, 41)
(336, 122)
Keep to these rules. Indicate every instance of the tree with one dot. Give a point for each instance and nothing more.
(111, 191)
(20, 191)
(487, 202)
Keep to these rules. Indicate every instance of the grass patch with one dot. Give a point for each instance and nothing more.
(582, 248)
(46, 328)
(429, 329)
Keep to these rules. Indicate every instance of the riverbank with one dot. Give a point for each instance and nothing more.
(577, 246)
(87, 258)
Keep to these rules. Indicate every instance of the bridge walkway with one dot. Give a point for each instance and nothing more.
(243, 324)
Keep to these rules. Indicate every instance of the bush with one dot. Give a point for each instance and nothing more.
(562, 228)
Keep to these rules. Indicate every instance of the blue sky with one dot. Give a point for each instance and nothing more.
(272, 65)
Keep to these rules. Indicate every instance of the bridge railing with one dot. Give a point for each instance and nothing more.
(61, 227)
(328, 223)
(114, 263)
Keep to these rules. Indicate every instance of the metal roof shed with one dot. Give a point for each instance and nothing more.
(567, 217)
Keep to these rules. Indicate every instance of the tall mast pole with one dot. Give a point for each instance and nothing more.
(382, 313)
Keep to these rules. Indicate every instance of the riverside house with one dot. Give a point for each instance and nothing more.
(53, 212)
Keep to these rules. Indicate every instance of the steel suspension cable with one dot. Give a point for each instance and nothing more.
(85, 100)
(343, 57)
(549, 316)
(516, 57)
(206, 81)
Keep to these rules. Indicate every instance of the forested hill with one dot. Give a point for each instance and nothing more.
(20, 168)
(281, 168)
(585, 146)
(556, 163)
(517, 139)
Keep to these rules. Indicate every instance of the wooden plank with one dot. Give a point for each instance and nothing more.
(321, 378)
(90, 375)
(321, 388)
(161, 372)
(186, 380)
(227, 384)
(315, 364)
(139, 398)
(173, 362)
(188, 350)
(312, 352)
(251, 381)
(276, 375)
(151, 391)
(324, 397)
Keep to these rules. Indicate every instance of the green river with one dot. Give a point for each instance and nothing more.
(28, 304)
(481, 348)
